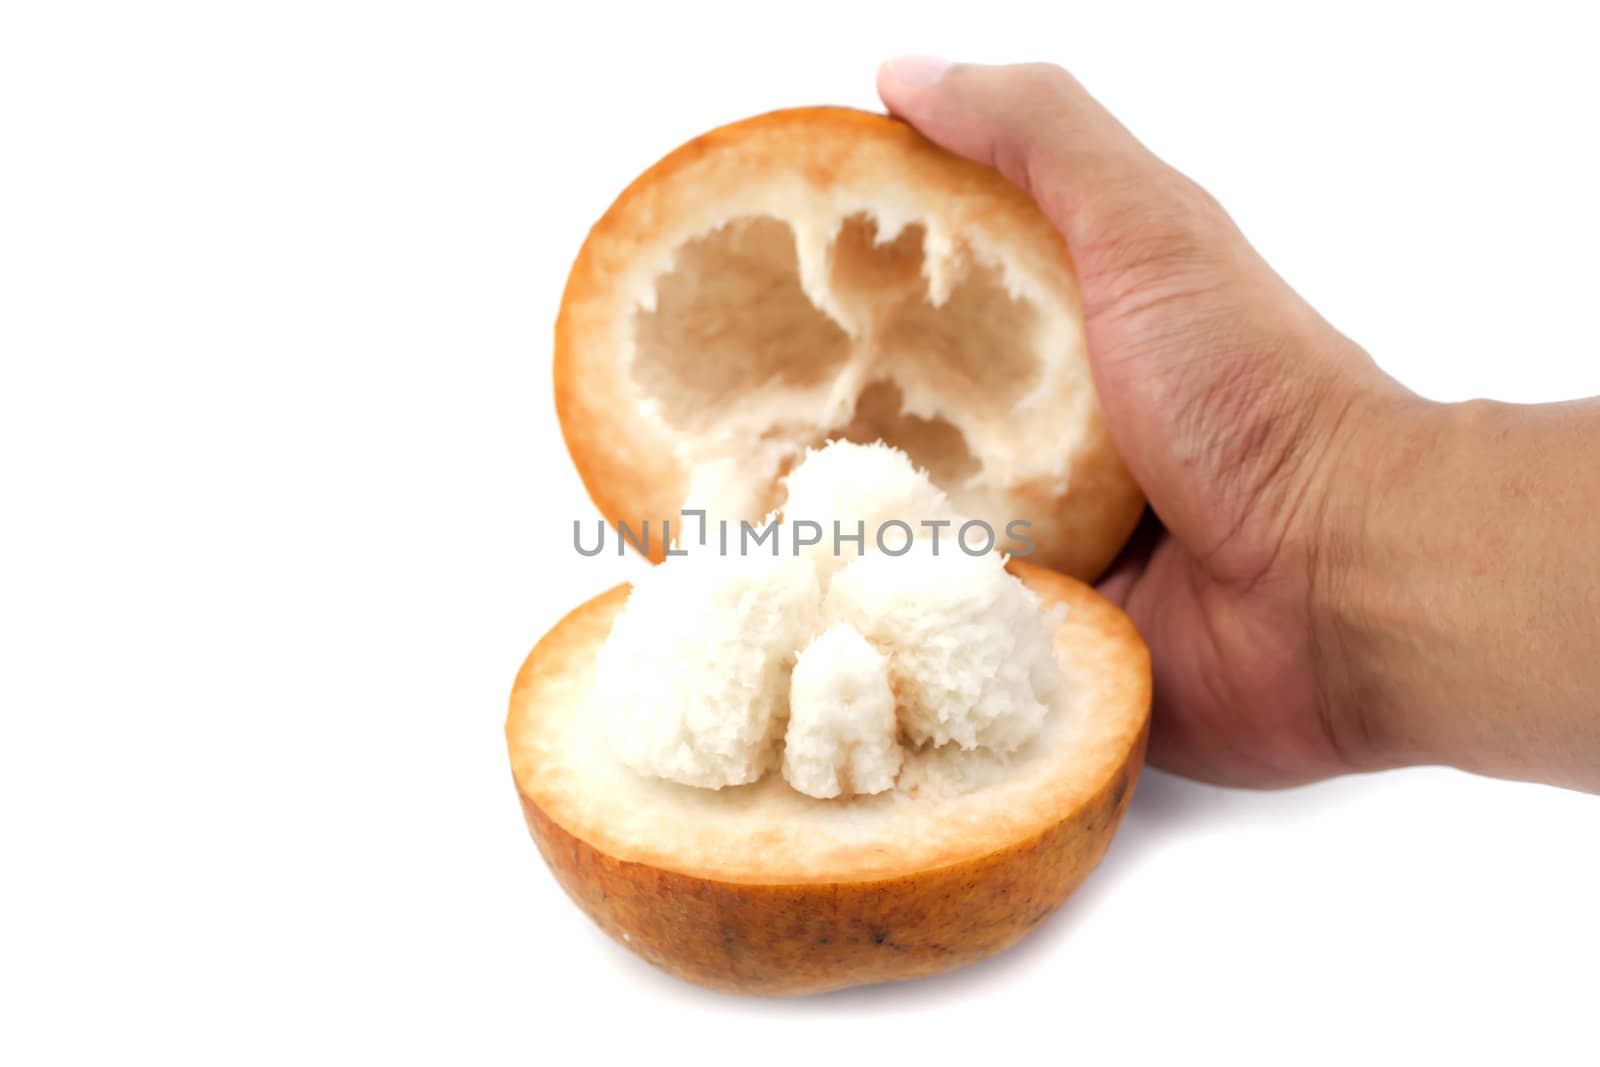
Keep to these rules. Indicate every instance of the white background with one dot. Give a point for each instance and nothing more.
(284, 505)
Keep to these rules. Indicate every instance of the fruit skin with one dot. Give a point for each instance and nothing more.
(778, 939)
(788, 940)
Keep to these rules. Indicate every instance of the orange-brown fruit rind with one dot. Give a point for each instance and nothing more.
(809, 930)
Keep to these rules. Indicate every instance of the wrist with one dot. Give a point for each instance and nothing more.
(1375, 488)
(1457, 601)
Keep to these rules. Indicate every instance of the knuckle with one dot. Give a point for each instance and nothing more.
(1046, 78)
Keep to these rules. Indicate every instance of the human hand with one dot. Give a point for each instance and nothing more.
(1234, 404)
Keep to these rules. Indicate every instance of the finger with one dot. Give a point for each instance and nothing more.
(1210, 370)
(1032, 122)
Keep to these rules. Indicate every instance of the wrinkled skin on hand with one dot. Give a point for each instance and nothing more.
(1235, 405)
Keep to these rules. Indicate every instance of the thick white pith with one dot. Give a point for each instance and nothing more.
(768, 333)
(950, 805)
(716, 657)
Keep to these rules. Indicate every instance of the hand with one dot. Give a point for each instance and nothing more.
(1256, 430)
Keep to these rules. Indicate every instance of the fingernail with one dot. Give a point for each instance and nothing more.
(916, 70)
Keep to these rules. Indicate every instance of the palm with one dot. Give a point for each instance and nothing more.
(1235, 693)
(1228, 459)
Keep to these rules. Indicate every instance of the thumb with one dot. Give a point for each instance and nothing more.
(1037, 126)
(1210, 370)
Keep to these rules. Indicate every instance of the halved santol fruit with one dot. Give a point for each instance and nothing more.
(824, 273)
(761, 889)
(802, 277)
